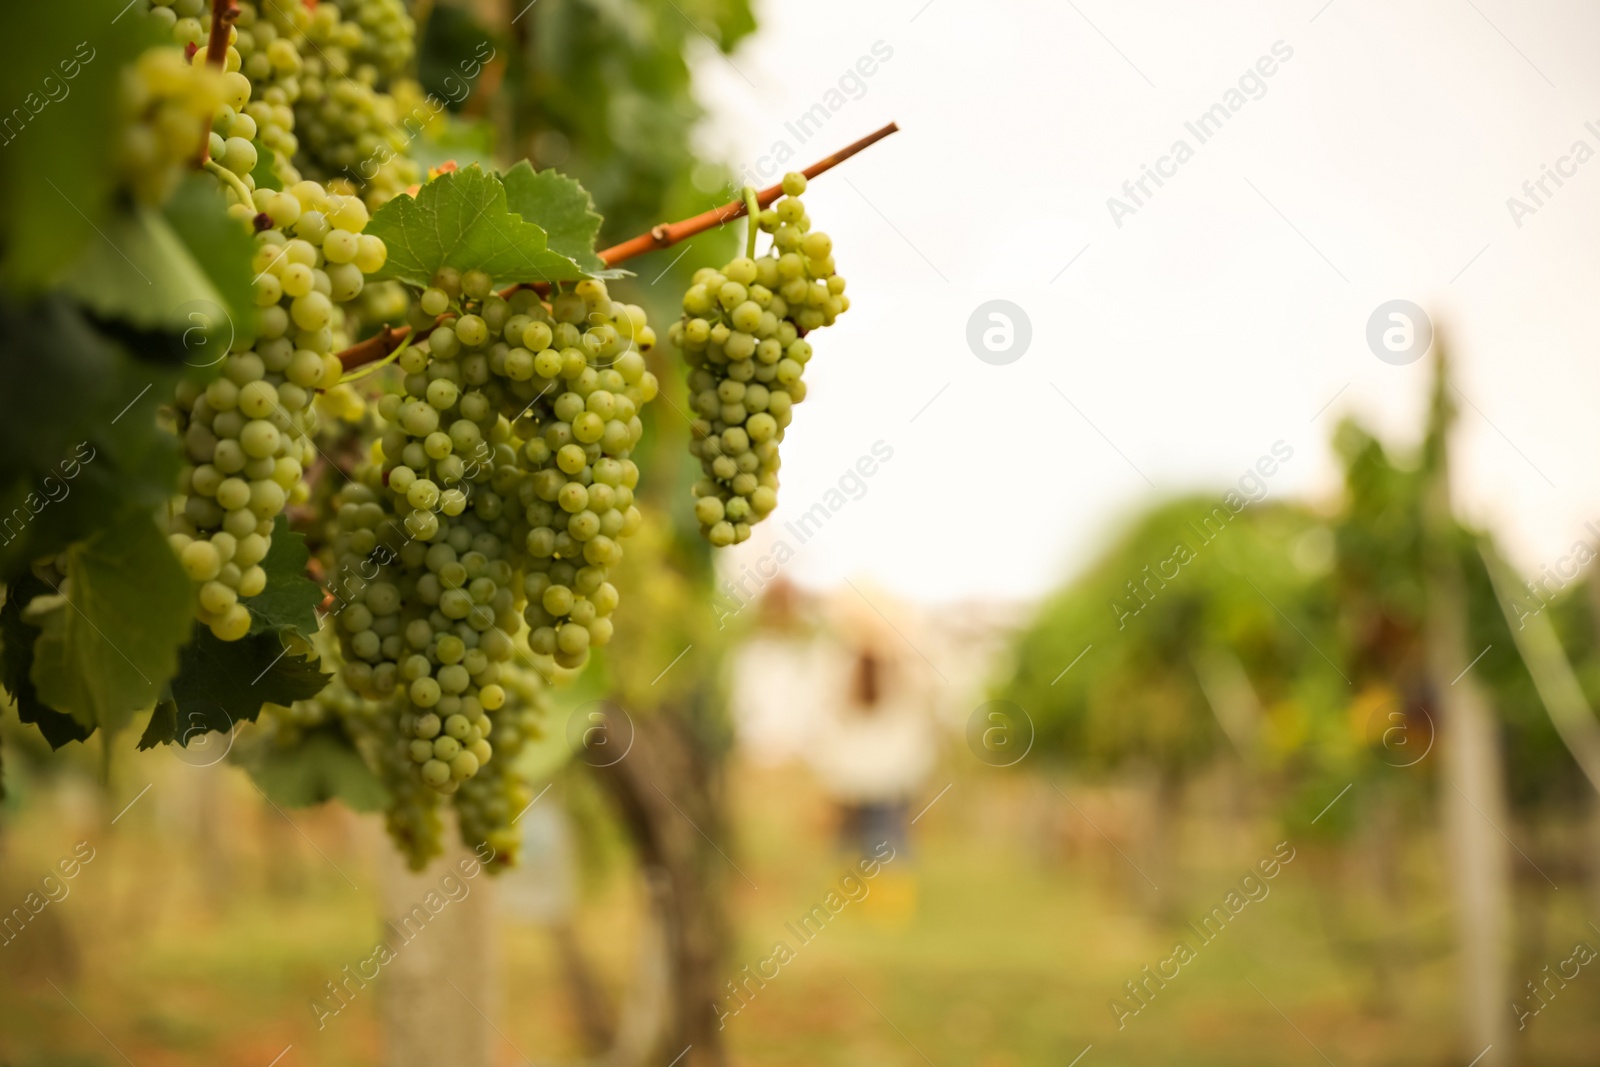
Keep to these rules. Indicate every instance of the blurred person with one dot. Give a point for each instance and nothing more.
(873, 747)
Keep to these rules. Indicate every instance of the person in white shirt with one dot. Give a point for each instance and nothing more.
(873, 746)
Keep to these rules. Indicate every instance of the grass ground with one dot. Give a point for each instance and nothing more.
(205, 923)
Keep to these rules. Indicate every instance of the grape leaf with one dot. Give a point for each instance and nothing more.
(51, 353)
(222, 683)
(60, 85)
(461, 220)
(144, 273)
(16, 659)
(222, 249)
(322, 765)
(162, 729)
(266, 172)
(106, 652)
(69, 469)
(562, 207)
(290, 599)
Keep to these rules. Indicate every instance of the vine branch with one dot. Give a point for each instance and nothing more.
(669, 234)
(223, 15)
(665, 235)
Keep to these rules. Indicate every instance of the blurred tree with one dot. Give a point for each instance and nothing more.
(1188, 650)
(1356, 664)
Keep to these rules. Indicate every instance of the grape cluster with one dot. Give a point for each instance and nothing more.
(350, 128)
(502, 488)
(429, 624)
(488, 804)
(186, 19)
(571, 381)
(250, 104)
(270, 58)
(743, 335)
(245, 435)
(164, 103)
(328, 101)
(388, 35)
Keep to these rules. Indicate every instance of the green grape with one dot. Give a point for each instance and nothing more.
(428, 625)
(449, 533)
(414, 817)
(163, 105)
(488, 804)
(388, 35)
(743, 336)
(270, 58)
(352, 130)
(247, 434)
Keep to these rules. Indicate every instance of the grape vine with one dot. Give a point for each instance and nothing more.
(463, 510)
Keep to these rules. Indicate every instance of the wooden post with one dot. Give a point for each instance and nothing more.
(1472, 787)
(439, 992)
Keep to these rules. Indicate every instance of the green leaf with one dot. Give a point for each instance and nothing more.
(222, 249)
(289, 602)
(144, 273)
(106, 652)
(222, 683)
(266, 172)
(461, 220)
(16, 660)
(162, 729)
(60, 84)
(322, 765)
(561, 207)
(68, 469)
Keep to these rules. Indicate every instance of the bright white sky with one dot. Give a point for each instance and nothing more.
(1206, 327)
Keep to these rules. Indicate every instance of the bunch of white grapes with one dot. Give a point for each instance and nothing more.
(388, 35)
(246, 434)
(186, 19)
(270, 57)
(743, 334)
(249, 101)
(452, 540)
(576, 378)
(565, 385)
(488, 805)
(350, 127)
(164, 103)
(430, 625)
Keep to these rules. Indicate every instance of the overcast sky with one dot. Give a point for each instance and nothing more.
(1173, 345)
